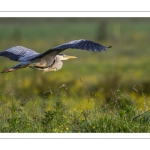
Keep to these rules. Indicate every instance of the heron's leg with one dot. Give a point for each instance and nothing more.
(19, 66)
(6, 70)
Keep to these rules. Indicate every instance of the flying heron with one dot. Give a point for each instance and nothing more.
(50, 60)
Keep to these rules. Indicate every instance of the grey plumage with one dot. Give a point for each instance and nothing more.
(19, 53)
(50, 60)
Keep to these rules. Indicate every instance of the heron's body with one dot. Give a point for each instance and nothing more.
(50, 60)
(56, 65)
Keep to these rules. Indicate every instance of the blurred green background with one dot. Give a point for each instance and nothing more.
(124, 67)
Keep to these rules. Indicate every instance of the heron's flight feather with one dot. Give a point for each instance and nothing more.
(80, 44)
(76, 44)
(19, 53)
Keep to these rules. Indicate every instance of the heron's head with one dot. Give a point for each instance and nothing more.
(65, 57)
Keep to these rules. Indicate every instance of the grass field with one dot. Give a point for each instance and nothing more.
(96, 93)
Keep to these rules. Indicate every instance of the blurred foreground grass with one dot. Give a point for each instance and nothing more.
(97, 92)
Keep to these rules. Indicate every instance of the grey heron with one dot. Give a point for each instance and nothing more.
(50, 60)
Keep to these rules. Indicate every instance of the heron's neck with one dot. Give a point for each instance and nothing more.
(58, 58)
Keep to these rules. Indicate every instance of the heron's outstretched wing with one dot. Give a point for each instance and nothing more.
(77, 44)
(81, 44)
(19, 53)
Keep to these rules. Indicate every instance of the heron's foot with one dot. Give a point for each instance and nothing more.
(6, 70)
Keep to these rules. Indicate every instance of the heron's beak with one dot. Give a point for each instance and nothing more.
(71, 57)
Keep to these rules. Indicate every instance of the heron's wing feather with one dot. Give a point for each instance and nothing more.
(81, 44)
(77, 44)
(19, 53)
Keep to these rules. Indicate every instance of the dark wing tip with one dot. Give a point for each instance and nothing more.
(109, 46)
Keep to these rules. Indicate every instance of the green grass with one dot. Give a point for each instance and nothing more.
(62, 114)
(67, 112)
(97, 92)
